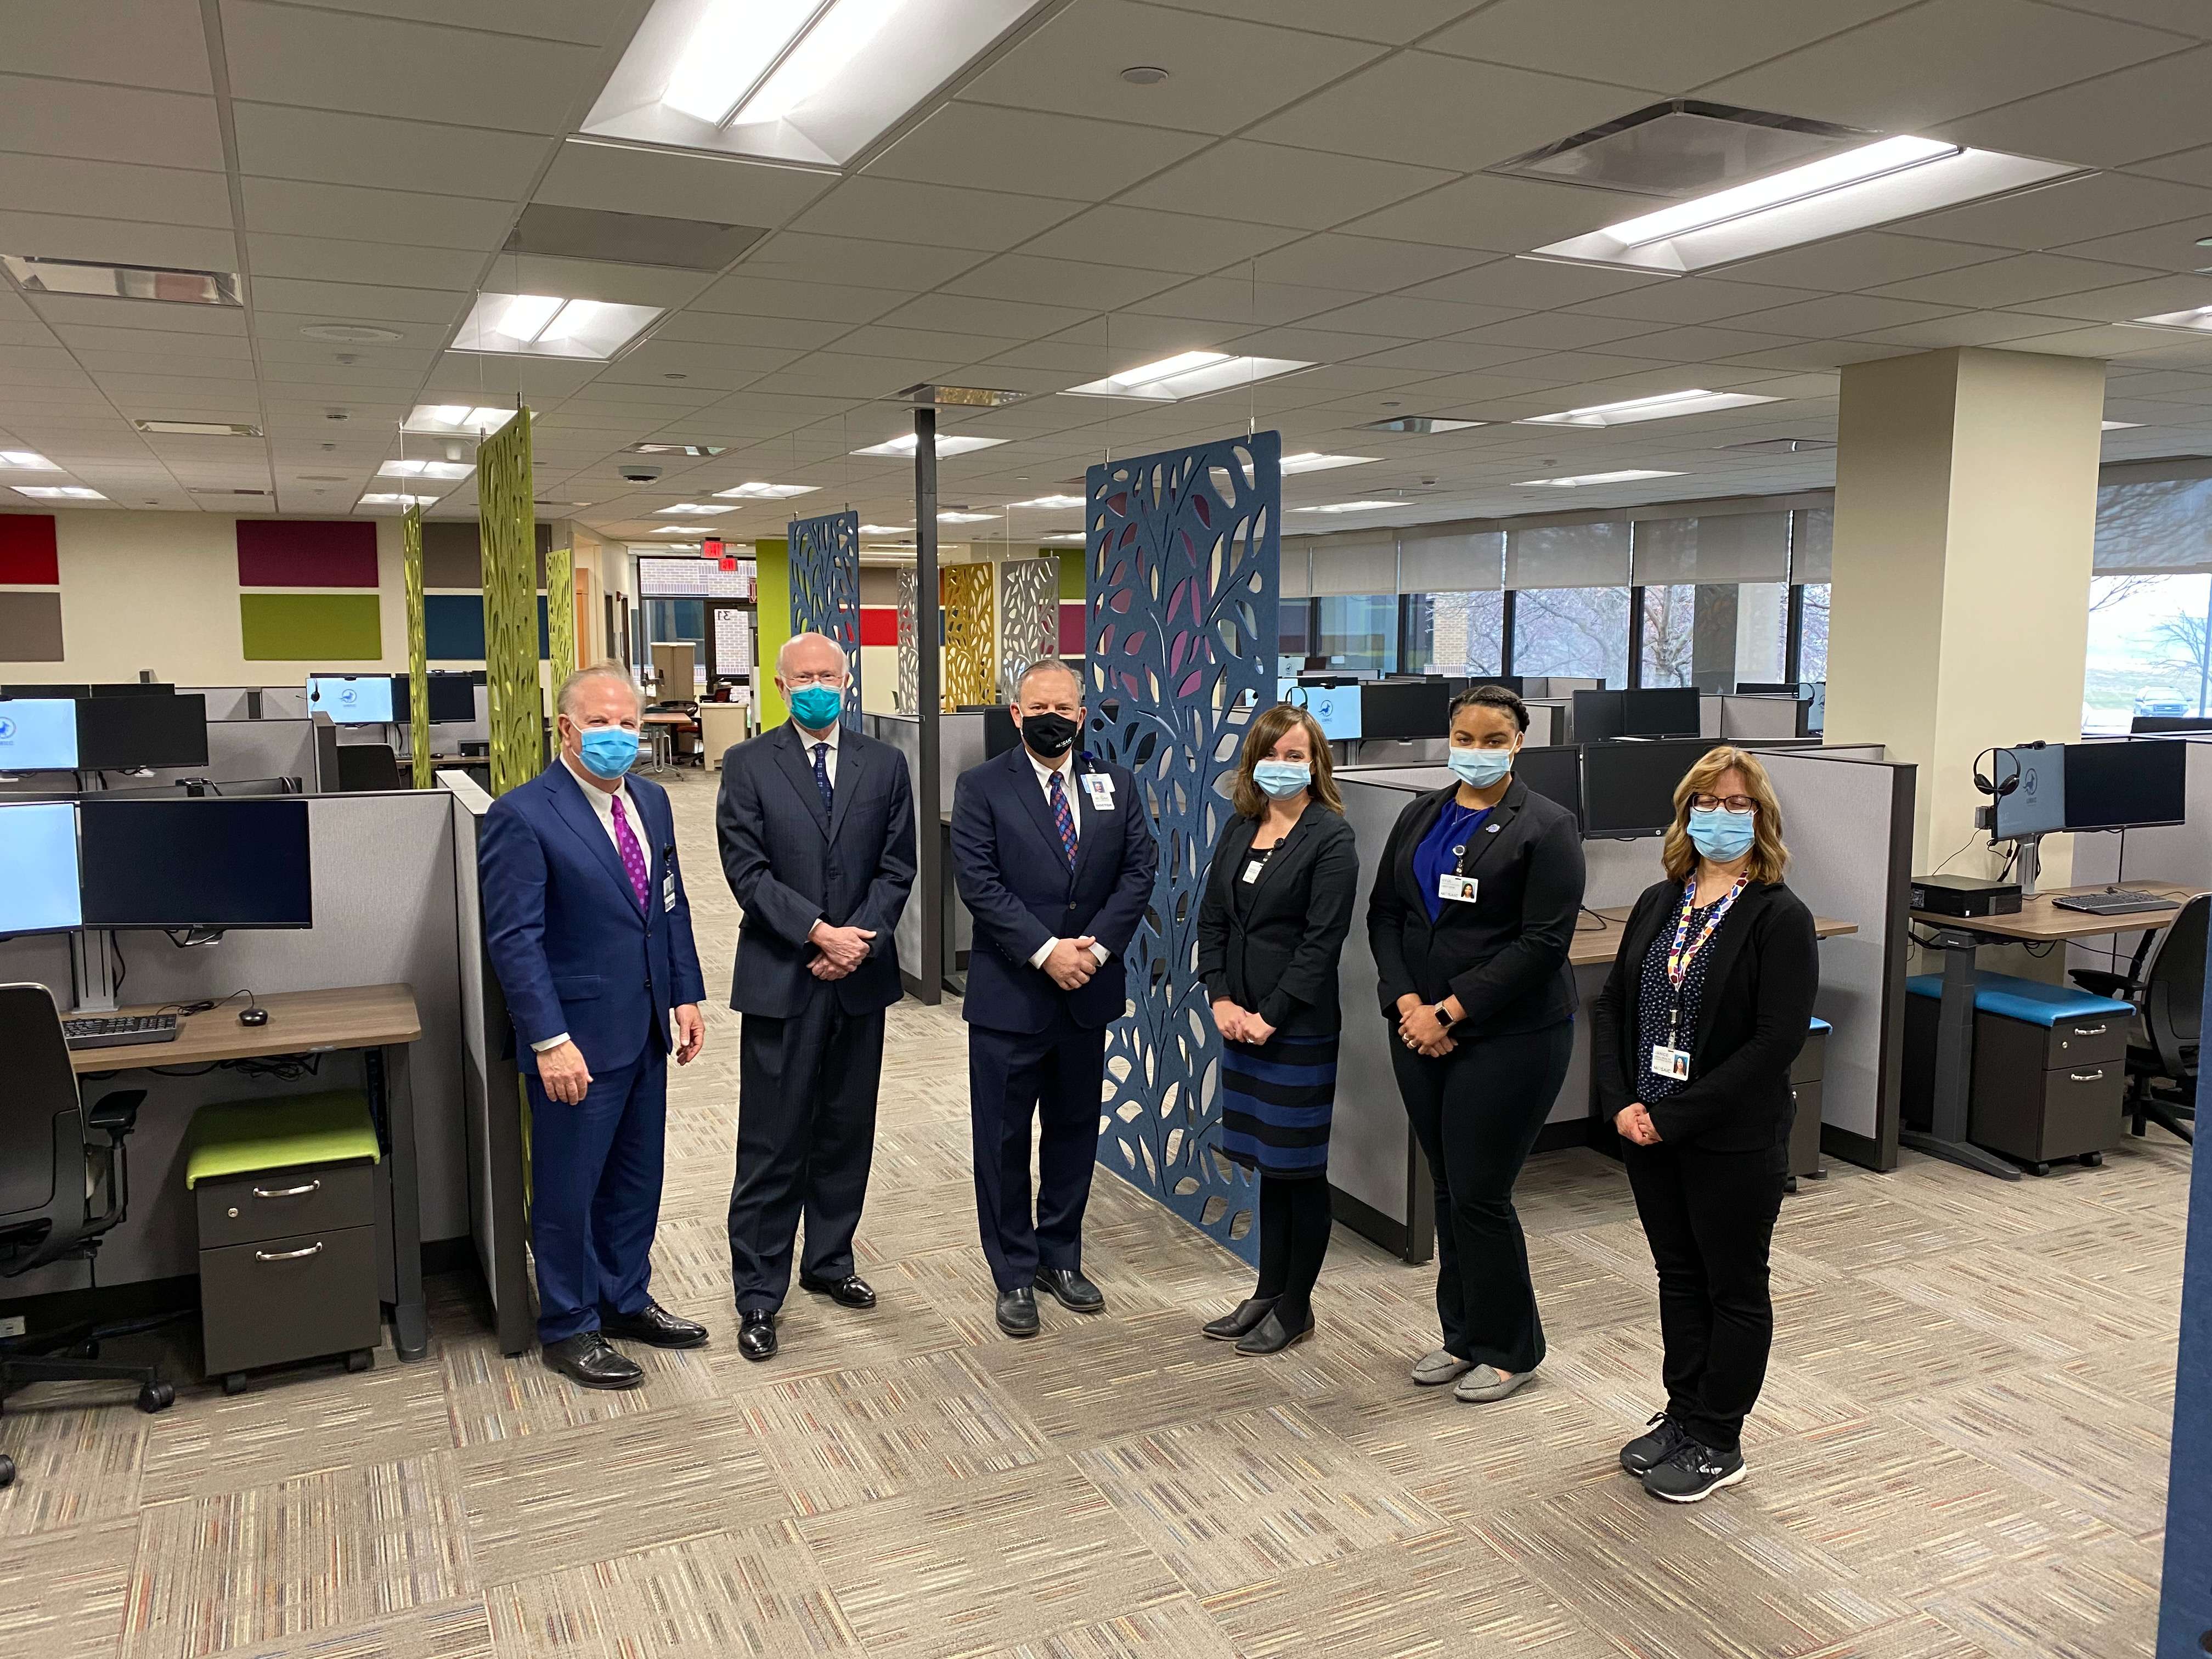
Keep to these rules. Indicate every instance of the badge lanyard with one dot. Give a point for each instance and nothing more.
(1678, 959)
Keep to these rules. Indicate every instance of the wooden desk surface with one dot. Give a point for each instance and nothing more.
(1596, 946)
(300, 1022)
(2039, 920)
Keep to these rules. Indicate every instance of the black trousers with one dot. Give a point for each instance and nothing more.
(1050, 1077)
(1710, 1218)
(806, 1132)
(1294, 1223)
(1476, 1112)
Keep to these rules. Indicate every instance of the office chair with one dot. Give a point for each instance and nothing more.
(56, 1157)
(366, 766)
(2169, 1018)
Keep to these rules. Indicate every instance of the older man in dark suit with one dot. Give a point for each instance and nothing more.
(1055, 861)
(817, 837)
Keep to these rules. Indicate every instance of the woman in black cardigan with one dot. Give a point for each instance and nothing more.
(1278, 904)
(1472, 914)
(1691, 1041)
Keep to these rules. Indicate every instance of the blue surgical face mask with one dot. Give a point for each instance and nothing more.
(607, 752)
(1480, 769)
(1724, 837)
(1282, 779)
(816, 706)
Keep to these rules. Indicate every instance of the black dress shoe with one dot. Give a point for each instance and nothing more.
(850, 1291)
(1240, 1320)
(1077, 1294)
(654, 1325)
(757, 1332)
(1271, 1335)
(1017, 1311)
(588, 1359)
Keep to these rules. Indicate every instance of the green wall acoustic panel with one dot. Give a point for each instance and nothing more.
(326, 629)
(508, 524)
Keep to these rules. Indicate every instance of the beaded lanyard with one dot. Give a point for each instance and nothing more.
(1678, 960)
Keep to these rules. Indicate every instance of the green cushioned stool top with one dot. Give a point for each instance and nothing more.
(244, 1137)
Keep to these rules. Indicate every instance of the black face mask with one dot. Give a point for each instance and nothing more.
(1050, 735)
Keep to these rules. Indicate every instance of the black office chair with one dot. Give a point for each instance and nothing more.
(366, 766)
(56, 1157)
(2162, 1050)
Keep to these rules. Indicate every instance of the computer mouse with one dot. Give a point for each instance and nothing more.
(253, 1016)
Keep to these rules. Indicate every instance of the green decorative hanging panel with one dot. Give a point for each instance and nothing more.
(509, 527)
(418, 670)
(560, 612)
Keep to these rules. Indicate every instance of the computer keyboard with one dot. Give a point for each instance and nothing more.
(2116, 902)
(118, 1031)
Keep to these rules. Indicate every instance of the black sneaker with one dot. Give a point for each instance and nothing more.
(1694, 1473)
(1662, 1438)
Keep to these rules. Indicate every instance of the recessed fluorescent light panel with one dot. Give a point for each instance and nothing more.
(546, 325)
(1629, 476)
(1064, 535)
(813, 81)
(1665, 406)
(684, 530)
(1312, 461)
(425, 469)
(2198, 321)
(1867, 184)
(1425, 425)
(28, 460)
(383, 498)
(59, 493)
(767, 492)
(675, 449)
(190, 287)
(887, 529)
(1063, 503)
(701, 509)
(2121, 426)
(1348, 507)
(904, 446)
(964, 518)
(457, 419)
(1187, 374)
(199, 428)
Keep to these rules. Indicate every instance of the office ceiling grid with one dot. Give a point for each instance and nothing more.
(1306, 183)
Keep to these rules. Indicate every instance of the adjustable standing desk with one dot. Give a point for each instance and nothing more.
(380, 1019)
(1596, 947)
(2039, 921)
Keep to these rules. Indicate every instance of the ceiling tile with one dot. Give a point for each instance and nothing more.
(114, 190)
(818, 301)
(153, 343)
(1001, 320)
(270, 323)
(1223, 74)
(1684, 44)
(718, 191)
(1154, 240)
(163, 44)
(1838, 314)
(1531, 284)
(801, 256)
(1063, 282)
(89, 311)
(1235, 298)
(2118, 118)
(1364, 263)
(1699, 345)
(109, 124)
(1942, 60)
(2168, 247)
(1688, 299)
(1967, 328)
(119, 241)
(936, 216)
(291, 208)
(595, 279)
(2012, 281)
(974, 145)
(1504, 216)
(2152, 298)
(362, 302)
(726, 329)
(1396, 22)
(1418, 107)
(2192, 166)
(2072, 210)
(1558, 330)
(1432, 357)
(322, 260)
(1863, 260)
(334, 147)
(1271, 185)
(587, 22)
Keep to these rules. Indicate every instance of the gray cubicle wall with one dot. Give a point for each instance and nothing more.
(959, 746)
(384, 914)
(2178, 853)
(1751, 718)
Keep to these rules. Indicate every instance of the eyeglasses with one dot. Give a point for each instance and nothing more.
(832, 678)
(1742, 806)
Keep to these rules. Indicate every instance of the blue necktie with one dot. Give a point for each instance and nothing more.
(822, 773)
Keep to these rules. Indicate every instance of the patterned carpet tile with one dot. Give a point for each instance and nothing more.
(606, 1490)
(323, 1551)
(1853, 1221)
(455, 1630)
(491, 1398)
(1618, 1372)
(816, 1334)
(1876, 1346)
(1179, 1629)
(1464, 1460)
(75, 1463)
(62, 1593)
(2009, 1293)
(2082, 1603)
(1920, 1637)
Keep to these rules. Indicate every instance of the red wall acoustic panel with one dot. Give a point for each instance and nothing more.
(27, 558)
(878, 624)
(307, 553)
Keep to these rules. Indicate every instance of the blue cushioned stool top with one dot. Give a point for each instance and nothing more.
(1820, 1025)
(2027, 999)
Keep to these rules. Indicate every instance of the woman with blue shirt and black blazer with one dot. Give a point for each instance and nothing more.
(1472, 911)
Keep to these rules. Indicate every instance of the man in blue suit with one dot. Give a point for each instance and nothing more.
(816, 823)
(589, 930)
(1056, 860)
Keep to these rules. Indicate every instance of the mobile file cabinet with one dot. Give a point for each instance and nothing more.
(1805, 1073)
(285, 1194)
(2049, 1066)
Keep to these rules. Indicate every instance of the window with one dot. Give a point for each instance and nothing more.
(2148, 649)
(1716, 598)
(1455, 633)
(1357, 631)
(1294, 628)
(1813, 636)
(1581, 631)
(670, 621)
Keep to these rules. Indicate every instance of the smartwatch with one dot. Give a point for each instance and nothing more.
(1443, 1018)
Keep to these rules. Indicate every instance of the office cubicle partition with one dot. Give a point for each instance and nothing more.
(959, 746)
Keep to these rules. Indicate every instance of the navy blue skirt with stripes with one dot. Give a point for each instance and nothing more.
(1277, 1099)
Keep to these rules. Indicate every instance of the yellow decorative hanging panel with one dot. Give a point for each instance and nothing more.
(560, 612)
(509, 526)
(418, 673)
(971, 635)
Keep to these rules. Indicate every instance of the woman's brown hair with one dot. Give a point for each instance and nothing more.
(1769, 857)
(1260, 742)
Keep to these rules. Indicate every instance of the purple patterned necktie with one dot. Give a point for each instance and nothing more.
(1062, 819)
(633, 855)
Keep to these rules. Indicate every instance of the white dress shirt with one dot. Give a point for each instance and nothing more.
(1064, 770)
(806, 741)
(603, 803)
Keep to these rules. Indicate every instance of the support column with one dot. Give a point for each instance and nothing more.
(1965, 513)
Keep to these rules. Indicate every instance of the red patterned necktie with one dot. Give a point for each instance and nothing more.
(1062, 818)
(633, 855)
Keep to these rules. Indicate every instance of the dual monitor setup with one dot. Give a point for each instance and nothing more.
(1617, 790)
(2042, 789)
(202, 866)
(388, 699)
(1349, 710)
(79, 728)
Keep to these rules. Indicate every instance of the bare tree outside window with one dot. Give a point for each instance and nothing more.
(1578, 631)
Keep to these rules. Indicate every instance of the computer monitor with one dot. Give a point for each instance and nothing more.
(135, 688)
(2035, 804)
(1599, 715)
(2160, 725)
(1556, 774)
(1405, 708)
(1771, 689)
(207, 865)
(2129, 783)
(1816, 708)
(60, 693)
(351, 699)
(1511, 682)
(38, 849)
(1670, 711)
(1335, 709)
(37, 734)
(452, 699)
(1628, 788)
(133, 732)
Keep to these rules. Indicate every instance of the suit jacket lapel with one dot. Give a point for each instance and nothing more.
(1281, 855)
(1491, 830)
(1032, 794)
(1725, 946)
(580, 816)
(851, 762)
(791, 755)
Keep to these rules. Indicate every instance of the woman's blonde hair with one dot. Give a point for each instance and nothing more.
(1260, 742)
(1769, 857)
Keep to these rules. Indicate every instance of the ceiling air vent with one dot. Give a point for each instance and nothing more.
(628, 238)
(1779, 446)
(1684, 147)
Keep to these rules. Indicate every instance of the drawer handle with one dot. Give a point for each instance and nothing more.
(2089, 1031)
(315, 1248)
(2094, 1076)
(288, 1192)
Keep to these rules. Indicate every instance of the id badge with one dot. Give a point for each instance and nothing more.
(1454, 889)
(1100, 788)
(1252, 873)
(668, 891)
(1670, 1062)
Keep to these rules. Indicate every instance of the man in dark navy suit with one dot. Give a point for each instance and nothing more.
(816, 829)
(589, 930)
(1056, 862)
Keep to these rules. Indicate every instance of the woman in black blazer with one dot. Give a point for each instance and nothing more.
(1278, 904)
(1472, 911)
(1691, 1044)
